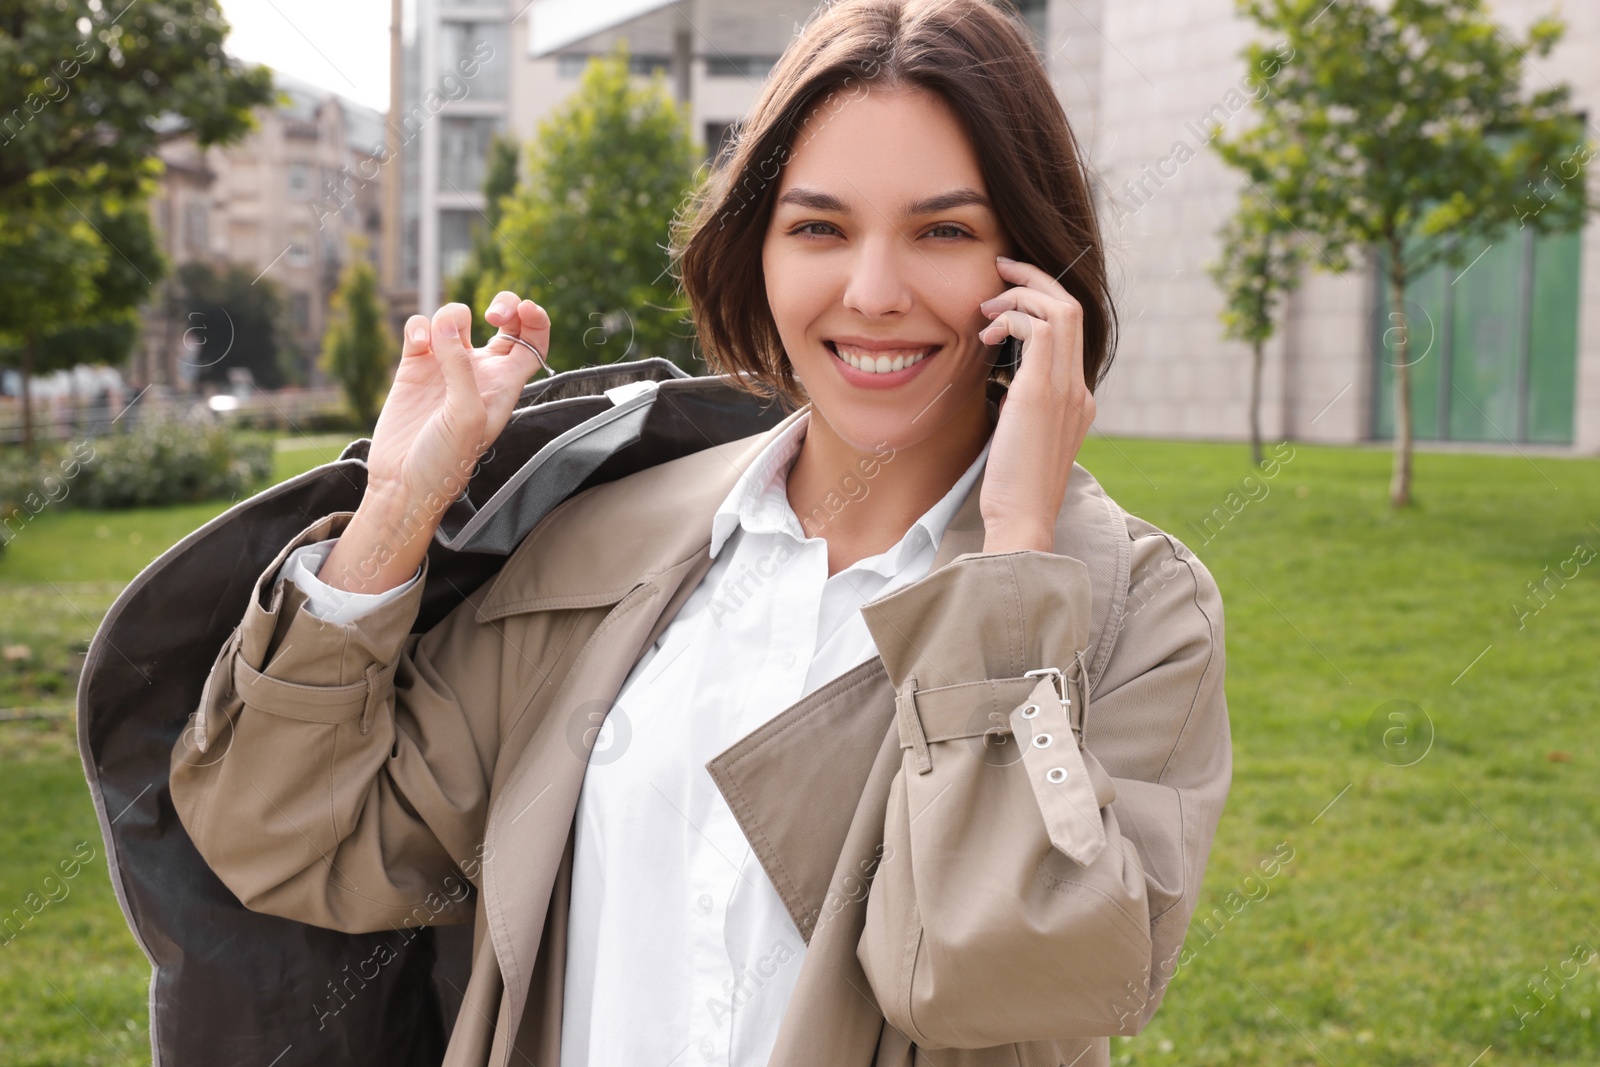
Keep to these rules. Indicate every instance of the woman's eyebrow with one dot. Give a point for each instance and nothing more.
(817, 200)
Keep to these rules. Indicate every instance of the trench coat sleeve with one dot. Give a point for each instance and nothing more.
(337, 773)
(1035, 887)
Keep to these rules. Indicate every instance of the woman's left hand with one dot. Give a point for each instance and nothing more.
(1044, 416)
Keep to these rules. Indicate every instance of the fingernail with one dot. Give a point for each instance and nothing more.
(1003, 259)
(420, 335)
(448, 329)
(498, 307)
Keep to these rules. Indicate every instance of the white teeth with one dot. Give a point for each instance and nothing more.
(864, 360)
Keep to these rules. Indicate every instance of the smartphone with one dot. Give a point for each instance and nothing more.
(1009, 358)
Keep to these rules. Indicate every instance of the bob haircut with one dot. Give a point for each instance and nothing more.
(979, 58)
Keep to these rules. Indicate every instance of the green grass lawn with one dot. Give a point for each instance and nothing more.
(1437, 874)
(73, 985)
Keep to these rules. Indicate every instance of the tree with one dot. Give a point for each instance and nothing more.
(585, 235)
(1260, 264)
(357, 350)
(48, 263)
(225, 318)
(1405, 128)
(78, 282)
(90, 93)
(107, 331)
(485, 261)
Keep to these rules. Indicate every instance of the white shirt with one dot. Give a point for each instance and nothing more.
(679, 949)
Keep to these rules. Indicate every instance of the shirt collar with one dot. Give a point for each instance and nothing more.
(751, 502)
(759, 502)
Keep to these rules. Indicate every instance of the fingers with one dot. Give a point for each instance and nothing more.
(1021, 273)
(501, 310)
(519, 318)
(1024, 312)
(1007, 324)
(451, 344)
(1039, 305)
(418, 337)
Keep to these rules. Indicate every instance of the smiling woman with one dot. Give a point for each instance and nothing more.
(916, 771)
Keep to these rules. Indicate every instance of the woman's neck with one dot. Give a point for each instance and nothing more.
(862, 503)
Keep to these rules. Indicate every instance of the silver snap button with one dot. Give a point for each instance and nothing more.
(1042, 741)
(1030, 711)
(1057, 774)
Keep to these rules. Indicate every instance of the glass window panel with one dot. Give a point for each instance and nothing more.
(1553, 338)
(740, 66)
(1425, 308)
(1036, 13)
(455, 240)
(1486, 343)
(464, 151)
(473, 60)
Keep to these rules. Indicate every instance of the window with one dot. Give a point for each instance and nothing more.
(473, 60)
(299, 181)
(648, 65)
(195, 219)
(757, 67)
(1494, 344)
(718, 134)
(1036, 13)
(410, 252)
(572, 64)
(299, 312)
(464, 150)
(300, 247)
(455, 240)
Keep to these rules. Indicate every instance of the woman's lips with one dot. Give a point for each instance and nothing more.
(911, 360)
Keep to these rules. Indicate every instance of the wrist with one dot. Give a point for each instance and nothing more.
(1019, 536)
(380, 548)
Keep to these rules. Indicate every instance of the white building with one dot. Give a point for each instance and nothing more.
(1514, 341)
(285, 202)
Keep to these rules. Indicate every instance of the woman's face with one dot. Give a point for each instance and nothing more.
(880, 247)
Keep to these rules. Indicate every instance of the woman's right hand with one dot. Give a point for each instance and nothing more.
(450, 401)
(447, 405)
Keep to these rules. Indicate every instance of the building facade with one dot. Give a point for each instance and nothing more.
(1511, 346)
(290, 203)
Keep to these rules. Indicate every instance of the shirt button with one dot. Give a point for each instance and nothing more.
(707, 1049)
(704, 903)
(786, 660)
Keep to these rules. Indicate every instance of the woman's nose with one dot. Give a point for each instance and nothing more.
(879, 282)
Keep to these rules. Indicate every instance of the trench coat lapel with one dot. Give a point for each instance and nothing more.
(642, 541)
(814, 758)
(797, 783)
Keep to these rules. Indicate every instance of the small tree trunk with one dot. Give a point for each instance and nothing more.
(1255, 405)
(1400, 482)
(27, 394)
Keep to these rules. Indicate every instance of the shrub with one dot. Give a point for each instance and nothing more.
(173, 461)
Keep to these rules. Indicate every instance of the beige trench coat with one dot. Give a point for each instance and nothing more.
(983, 876)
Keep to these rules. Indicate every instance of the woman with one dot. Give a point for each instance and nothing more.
(851, 797)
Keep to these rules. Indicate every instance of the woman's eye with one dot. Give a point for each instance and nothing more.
(951, 232)
(804, 227)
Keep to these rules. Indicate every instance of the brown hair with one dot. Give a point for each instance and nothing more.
(979, 58)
